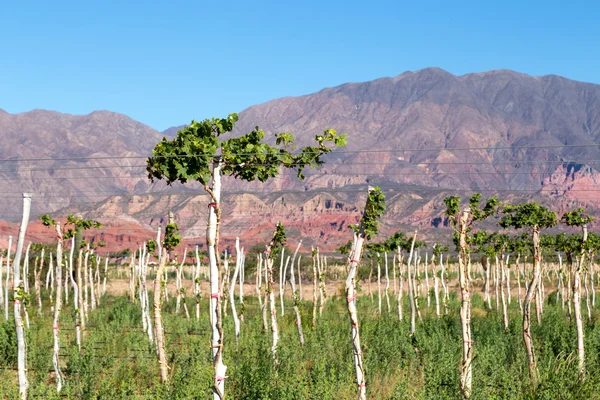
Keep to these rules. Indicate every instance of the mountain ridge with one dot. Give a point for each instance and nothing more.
(529, 137)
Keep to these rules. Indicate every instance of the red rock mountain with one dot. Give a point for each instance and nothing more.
(527, 137)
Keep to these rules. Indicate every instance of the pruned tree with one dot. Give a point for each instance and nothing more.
(171, 240)
(368, 227)
(68, 231)
(198, 153)
(578, 218)
(535, 218)
(20, 296)
(275, 246)
(462, 224)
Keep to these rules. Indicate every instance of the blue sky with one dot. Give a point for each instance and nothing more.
(166, 63)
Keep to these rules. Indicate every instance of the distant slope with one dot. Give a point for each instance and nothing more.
(529, 137)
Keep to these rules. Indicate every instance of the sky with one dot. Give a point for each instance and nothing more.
(166, 63)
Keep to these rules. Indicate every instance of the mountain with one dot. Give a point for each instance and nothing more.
(420, 135)
(70, 159)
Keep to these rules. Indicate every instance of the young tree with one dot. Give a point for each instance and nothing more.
(275, 246)
(367, 228)
(199, 154)
(535, 217)
(171, 240)
(68, 231)
(19, 296)
(462, 224)
(579, 219)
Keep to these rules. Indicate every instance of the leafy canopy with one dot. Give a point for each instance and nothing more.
(278, 241)
(77, 223)
(530, 215)
(191, 154)
(576, 218)
(374, 209)
(172, 237)
(475, 213)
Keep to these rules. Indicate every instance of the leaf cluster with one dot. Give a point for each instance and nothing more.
(172, 236)
(279, 239)
(374, 209)
(476, 212)
(531, 215)
(192, 153)
(576, 218)
(72, 220)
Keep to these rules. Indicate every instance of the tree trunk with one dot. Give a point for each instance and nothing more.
(299, 280)
(378, 285)
(465, 308)
(238, 262)
(37, 283)
(445, 298)
(159, 332)
(197, 284)
(76, 297)
(296, 297)
(212, 237)
(272, 305)
(355, 255)
(315, 279)
(400, 287)
(57, 306)
(531, 291)
(503, 284)
(282, 282)
(577, 305)
(7, 277)
(18, 295)
(413, 308)
(519, 283)
(387, 284)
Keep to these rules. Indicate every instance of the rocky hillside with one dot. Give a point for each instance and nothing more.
(528, 137)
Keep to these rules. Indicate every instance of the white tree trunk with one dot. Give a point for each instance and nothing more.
(179, 282)
(282, 282)
(18, 296)
(355, 255)
(300, 279)
(387, 284)
(57, 307)
(427, 281)
(238, 262)
(400, 286)
(215, 295)
(411, 294)
(197, 284)
(8, 276)
(76, 296)
(577, 305)
(465, 308)
(159, 333)
(295, 297)
(445, 298)
(378, 285)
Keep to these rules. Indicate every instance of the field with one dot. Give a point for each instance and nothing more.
(118, 361)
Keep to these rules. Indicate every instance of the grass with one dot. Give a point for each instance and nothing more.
(117, 360)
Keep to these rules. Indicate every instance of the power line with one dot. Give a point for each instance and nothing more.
(335, 151)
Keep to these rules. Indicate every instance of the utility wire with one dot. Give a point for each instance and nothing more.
(335, 151)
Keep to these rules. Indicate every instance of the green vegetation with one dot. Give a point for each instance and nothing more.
(117, 361)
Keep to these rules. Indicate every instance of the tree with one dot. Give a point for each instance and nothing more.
(462, 224)
(76, 225)
(171, 240)
(198, 153)
(579, 219)
(367, 228)
(534, 217)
